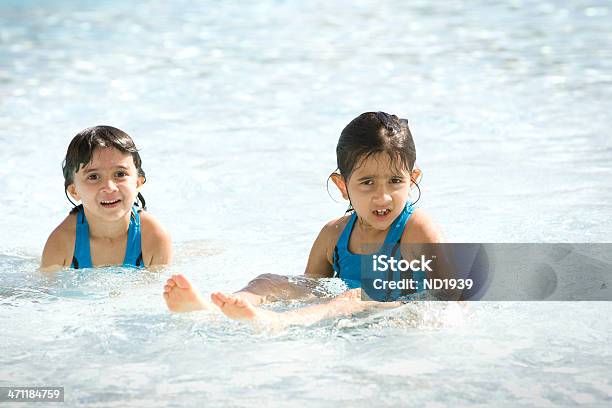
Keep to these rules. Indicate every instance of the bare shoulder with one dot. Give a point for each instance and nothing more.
(421, 228)
(151, 226)
(320, 260)
(59, 248)
(333, 229)
(330, 233)
(156, 241)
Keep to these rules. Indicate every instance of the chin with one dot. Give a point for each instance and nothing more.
(115, 213)
(379, 225)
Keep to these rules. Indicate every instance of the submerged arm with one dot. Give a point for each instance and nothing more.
(270, 287)
(156, 243)
(57, 253)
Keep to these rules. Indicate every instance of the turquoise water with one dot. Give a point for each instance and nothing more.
(237, 108)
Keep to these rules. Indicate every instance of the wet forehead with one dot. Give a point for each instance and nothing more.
(109, 158)
(379, 165)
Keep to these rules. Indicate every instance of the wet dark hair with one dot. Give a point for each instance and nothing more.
(81, 149)
(372, 133)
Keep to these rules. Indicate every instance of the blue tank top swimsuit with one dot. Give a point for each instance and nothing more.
(347, 265)
(82, 254)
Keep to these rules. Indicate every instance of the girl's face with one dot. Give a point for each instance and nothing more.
(377, 190)
(108, 185)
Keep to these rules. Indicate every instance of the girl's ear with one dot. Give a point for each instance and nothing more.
(415, 176)
(341, 184)
(139, 182)
(72, 190)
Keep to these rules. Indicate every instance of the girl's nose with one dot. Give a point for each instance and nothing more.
(381, 195)
(109, 186)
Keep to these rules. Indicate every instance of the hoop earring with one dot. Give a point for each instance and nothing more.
(418, 188)
(71, 202)
(350, 207)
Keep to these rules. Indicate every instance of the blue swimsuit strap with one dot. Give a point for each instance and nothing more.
(82, 249)
(133, 251)
(342, 243)
(82, 252)
(397, 228)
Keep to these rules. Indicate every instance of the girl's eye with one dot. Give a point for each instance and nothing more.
(92, 177)
(121, 174)
(367, 182)
(396, 180)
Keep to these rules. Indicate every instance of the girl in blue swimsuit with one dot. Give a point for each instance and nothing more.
(102, 169)
(377, 175)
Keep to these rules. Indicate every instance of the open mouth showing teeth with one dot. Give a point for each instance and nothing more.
(109, 202)
(382, 212)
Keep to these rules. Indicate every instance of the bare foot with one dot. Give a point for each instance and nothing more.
(181, 296)
(238, 308)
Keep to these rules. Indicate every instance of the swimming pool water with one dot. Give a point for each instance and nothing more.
(237, 109)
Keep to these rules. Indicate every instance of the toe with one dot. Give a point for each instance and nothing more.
(182, 282)
(214, 297)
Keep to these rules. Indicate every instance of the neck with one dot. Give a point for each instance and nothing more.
(110, 230)
(368, 230)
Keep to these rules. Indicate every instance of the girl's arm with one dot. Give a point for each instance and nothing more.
(320, 260)
(156, 242)
(270, 287)
(59, 247)
(421, 229)
(53, 256)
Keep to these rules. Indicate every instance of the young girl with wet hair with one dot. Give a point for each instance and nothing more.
(103, 170)
(377, 175)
